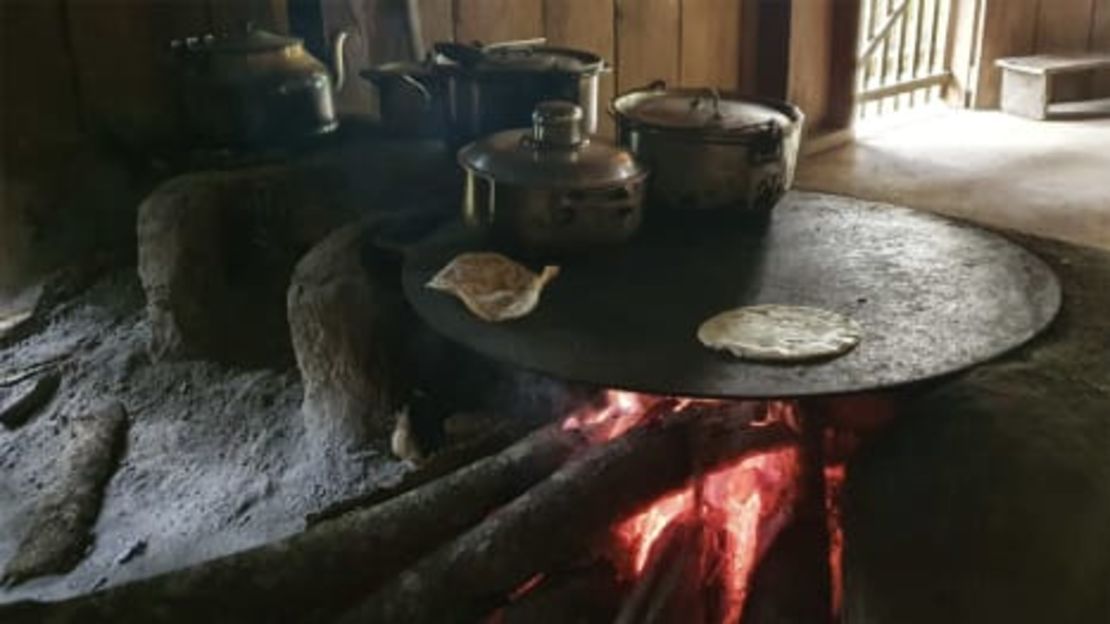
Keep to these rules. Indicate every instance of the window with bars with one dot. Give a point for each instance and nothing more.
(903, 54)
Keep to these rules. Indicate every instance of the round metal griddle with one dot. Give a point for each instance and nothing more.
(933, 297)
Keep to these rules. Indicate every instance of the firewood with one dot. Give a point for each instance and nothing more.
(570, 511)
(437, 466)
(581, 594)
(62, 525)
(16, 410)
(680, 581)
(312, 576)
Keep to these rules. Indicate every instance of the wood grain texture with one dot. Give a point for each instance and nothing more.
(648, 42)
(437, 20)
(1065, 26)
(1009, 29)
(842, 65)
(40, 102)
(960, 53)
(125, 73)
(810, 59)
(710, 52)
(586, 25)
(749, 45)
(1100, 42)
(269, 14)
(490, 21)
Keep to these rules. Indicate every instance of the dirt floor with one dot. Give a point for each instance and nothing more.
(214, 462)
(990, 500)
(1046, 178)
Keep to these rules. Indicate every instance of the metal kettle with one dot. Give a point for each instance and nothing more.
(252, 87)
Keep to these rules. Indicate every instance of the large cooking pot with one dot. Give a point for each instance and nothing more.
(710, 150)
(552, 189)
(479, 90)
(252, 87)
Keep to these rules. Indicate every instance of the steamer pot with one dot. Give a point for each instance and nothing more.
(465, 92)
(710, 150)
(552, 189)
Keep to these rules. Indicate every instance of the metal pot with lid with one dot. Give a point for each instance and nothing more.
(552, 188)
(478, 90)
(711, 150)
(252, 86)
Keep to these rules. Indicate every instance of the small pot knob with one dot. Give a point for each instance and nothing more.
(558, 124)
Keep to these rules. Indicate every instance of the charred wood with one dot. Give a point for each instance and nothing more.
(558, 518)
(680, 581)
(26, 401)
(437, 466)
(64, 517)
(582, 594)
(312, 576)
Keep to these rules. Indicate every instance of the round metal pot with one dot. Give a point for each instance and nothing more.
(550, 189)
(253, 87)
(465, 92)
(709, 150)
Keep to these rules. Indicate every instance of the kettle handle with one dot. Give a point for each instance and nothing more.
(339, 48)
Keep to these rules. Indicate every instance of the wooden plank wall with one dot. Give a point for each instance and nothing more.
(1019, 27)
(683, 42)
(108, 68)
(808, 78)
(39, 97)
(103, 66)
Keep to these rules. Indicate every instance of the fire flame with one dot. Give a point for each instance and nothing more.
(751, 500)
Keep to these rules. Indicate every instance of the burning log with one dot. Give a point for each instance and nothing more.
(438, 466)
(582, 594)
(313, 575)
(570, 511)
(679, 584)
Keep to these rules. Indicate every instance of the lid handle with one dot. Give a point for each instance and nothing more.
(557, 124)
(715, 97)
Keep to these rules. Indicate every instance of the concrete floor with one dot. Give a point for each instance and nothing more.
(1047, 178)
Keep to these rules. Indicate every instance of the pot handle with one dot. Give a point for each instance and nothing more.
(715, 96)
(419, 87)
(478, 200)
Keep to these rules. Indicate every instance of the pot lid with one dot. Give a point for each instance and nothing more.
(398, 69)
(507, 57)
(702, 110)
(246, 40)
(553, 154)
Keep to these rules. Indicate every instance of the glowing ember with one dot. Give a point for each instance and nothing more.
(618, 412)
(834, 482)
(751, 500)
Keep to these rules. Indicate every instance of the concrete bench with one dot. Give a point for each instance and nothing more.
(1027, 81)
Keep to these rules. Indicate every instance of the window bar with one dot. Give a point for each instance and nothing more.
(900, 72)
(883, 59)
(935, 32)
(896, 42)
(868, 63)
(915, 71)
(928, 6)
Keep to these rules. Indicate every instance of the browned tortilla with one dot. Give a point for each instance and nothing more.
(493, 287)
